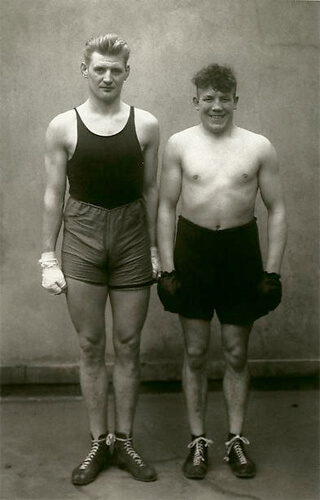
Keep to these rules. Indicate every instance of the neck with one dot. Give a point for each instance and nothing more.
(227, 132)
(104, 108)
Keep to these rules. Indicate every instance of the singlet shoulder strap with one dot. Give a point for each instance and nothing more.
(79, 121)
(80, 125)
(131, 115)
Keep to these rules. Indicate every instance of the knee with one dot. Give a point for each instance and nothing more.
(196, 357)
(93, 349)
(127, 346)
(236, 358)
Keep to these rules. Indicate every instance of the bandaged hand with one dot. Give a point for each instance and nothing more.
(156, 264)
(168, 289)
(270, 290)
(52, 277)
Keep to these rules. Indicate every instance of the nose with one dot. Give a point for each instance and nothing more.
(216, 105)
(107, 76)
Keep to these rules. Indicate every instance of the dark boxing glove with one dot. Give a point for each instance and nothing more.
(270, 290)
(168, 288)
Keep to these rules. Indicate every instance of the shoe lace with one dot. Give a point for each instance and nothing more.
(127, 443)
(199, 444)
(236, 444)
(95, 445)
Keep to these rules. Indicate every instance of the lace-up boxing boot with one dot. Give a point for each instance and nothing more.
(196, 464)
(240, 464)
(98, 458)
(126, 457)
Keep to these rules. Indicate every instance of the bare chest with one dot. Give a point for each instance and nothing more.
(230, 167)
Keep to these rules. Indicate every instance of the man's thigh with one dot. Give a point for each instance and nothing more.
(86, 304)
(196, 334)
(129, 311)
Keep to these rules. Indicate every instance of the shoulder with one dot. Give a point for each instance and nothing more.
(145, 119)
(261, 144)
(179, 140)
(147, 128)
(61, 124)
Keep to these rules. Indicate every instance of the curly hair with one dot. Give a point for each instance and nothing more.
(218, 77)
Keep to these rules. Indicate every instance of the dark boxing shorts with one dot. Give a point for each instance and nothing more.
(218, 270)
(107, 247)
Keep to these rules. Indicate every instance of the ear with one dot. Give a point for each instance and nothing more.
(195, 101)
(84, 69)
(236, 100)
(127, 72)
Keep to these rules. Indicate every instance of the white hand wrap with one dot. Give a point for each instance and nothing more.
(52, 277)
(156, 263)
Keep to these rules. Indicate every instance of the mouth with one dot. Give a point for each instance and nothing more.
(218, 119)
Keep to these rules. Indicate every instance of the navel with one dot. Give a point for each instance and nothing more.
(196, 177)
(245, 175)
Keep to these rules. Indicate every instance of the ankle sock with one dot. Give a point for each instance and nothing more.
(231, 435)
(122, 435)
(193, 437)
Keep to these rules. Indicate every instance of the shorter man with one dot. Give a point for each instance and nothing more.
(213, 262)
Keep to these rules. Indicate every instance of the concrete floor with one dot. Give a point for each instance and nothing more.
(44, 438)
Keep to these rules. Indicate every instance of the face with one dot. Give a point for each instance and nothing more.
(216, 109)
(106, 75)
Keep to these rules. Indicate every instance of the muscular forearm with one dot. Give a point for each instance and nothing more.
(151, 200)
(277, 237)
(166, 236)
(52, 219)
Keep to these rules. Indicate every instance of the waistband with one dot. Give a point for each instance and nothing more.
(247, 225)
(103, 209)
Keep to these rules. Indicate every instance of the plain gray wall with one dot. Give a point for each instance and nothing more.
(273, 48)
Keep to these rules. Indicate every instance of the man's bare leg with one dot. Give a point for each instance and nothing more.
(194, 377)
(236, 379)
(235, 340)
(195, 386)
(129, 311)
(86, 304)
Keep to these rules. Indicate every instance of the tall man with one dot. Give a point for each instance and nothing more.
(213, 260)
(108, 152)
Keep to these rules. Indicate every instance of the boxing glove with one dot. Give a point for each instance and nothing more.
(168, 289)
(270, 290)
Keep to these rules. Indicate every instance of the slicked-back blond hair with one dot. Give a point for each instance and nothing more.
(106, 44)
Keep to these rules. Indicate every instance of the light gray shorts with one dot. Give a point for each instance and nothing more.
(107, 247)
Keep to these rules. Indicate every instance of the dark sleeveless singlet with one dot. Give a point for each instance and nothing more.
(106, 171)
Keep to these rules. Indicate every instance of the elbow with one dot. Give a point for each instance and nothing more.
(151, 191)
(53, 200)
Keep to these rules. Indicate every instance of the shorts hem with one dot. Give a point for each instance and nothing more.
(132, 287)
(111, 287)
(196, 316)
(86, 280)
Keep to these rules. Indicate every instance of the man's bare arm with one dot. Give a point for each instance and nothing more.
(170, 189)
(272, 196)
(150, 190)
(55, 165)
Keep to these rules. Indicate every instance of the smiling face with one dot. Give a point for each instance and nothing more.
(216, 109)
(106, 75)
